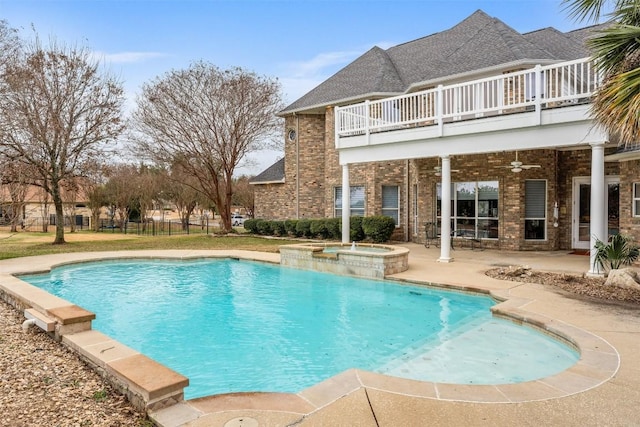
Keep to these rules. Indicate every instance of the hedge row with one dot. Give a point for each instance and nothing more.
(377, 229)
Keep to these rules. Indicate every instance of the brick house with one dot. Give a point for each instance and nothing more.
(494, 120)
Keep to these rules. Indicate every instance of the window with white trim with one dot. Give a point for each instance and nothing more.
(474, 208)
(391, 202)
(535, 209)
(356, 201)
(636, 199)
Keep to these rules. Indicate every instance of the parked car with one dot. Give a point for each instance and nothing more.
(237, 220)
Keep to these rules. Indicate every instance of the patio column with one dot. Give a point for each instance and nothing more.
(445, 211)
(597, 223)
(346, 204)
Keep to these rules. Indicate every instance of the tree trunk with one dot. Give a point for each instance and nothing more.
(57, 202)
(95, 220)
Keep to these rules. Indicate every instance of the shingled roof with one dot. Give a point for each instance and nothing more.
(479, 42)
(274, 174)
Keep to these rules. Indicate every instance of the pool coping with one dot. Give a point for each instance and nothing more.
(159, 390)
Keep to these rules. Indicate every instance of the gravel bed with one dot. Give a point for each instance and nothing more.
(42, 383)
(591, 288)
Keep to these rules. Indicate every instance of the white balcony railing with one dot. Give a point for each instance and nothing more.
(534, 89)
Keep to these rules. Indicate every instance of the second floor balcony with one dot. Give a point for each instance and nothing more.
(532, 97)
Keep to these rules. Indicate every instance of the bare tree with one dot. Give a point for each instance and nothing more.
(45, 203)
(13, 182)
(121, 193)
(148, 183)
(93, 187)
(57, 111)
(70, 193)
(10, 43)
(96, 199)
(182, 189)
(243, 194)
(208, 120)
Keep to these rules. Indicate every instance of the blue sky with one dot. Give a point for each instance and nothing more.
(300, 42)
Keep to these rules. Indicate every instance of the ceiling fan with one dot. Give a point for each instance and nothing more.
(437, 170)
(517, 166)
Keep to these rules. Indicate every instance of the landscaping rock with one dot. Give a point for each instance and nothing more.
(626, 278)
(42, 383)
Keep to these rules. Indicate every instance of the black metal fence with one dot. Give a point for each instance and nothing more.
(80, 222)
(154, 228)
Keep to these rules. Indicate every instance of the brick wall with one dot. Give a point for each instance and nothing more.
(629, 173)
(320, 173)
(489, 167)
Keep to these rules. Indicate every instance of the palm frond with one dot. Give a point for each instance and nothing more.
(584, 10)
(620, 252)
(616, 105)
(613, 46)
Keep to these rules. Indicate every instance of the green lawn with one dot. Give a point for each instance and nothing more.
(28, 244)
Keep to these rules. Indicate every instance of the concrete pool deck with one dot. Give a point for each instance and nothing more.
(357, 398)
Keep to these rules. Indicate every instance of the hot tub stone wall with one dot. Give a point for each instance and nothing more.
(373, 265)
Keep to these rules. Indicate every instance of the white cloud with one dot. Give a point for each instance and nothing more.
(127, 57)
(319, 64)
(299, 77)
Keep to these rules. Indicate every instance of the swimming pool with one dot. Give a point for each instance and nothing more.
(234, 325)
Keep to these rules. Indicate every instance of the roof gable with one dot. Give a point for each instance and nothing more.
(560, 45)
(373, 72)
(478, 43)
(273, 174)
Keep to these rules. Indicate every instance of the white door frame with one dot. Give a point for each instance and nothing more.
(575, 216)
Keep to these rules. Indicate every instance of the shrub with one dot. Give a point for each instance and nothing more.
(334, 228)
(318, 228)
(290, 227)
(264, 227)
(355, 229)
(278, 228)
(251, 225)
(620, 251)
(303, 228)
(378, 228)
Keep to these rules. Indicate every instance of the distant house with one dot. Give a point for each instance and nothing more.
(36, 207)
(494, 122)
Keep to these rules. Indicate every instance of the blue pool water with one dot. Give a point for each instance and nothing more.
(232, 325)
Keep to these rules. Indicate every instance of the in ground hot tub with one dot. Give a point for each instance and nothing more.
(364, 260)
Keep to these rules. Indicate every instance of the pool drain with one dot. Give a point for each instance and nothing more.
(242, 422)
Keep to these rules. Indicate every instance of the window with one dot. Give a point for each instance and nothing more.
(356, 199)
(636, 199)
(391, 202)
(474, 208)
(535, 209)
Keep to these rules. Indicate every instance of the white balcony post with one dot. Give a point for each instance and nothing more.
(346, 204)
(538, 93)
(439, 109)
(337, 125)
(367, 120)
(445, 211)
(597, 226)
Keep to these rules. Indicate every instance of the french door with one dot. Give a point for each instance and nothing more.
(581, 230)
